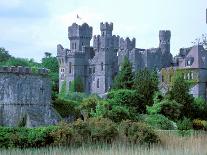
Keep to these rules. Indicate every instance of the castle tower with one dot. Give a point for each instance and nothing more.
(79, 36)
(164, 37)
(166, 58)
(106, 29)
(105, 46)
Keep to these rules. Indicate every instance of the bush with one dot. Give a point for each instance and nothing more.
(102, 130)
(159, 122)
(199, 108)
(184, 124)
(26, 137)
(115, 112)
(137, 132)
(168, 108)
(125, 97)
(199, 124)
(66, 108)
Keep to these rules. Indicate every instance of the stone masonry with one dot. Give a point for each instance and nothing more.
(24, 94)
(97, 65)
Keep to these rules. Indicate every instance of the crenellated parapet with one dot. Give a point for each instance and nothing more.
(24, 70)
(127, 43)
(80, 31)
(106, 26)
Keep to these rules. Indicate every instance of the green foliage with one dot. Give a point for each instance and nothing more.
(102, 130)
(4, 55)
(66, 108)
(22, 122)
(77, 85)
(185, 124)
(199, 108)
(137, 132)
(128, 98)
(159, 122)
(166, 107)
(124, 79)
(199, 124)
(63, 91)
(146, 84)
(26, 137)
(115, 112)
(180, 93)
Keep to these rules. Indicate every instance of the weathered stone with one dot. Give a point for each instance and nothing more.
(26, 95)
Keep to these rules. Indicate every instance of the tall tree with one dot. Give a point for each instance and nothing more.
(124, 79)
(180, 93)
(146, 84)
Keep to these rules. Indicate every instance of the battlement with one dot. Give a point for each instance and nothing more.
(127, 43)
(24, 70)
(80, 31)
(106, 26)
(164, 34)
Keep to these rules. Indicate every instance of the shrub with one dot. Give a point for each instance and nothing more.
(137, 132)
(66, 108)
(199, 124)
(63, 134)
(168, 108)
(125, 97)
(199, 108)
(102, 130)
(159, 122)
(184, 124)
(81, 131)
(115, 112)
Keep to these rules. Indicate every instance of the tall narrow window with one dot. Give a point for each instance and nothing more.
(101, 65)
(98, 83)
(75, 45)
(94, 69)
(70, 67)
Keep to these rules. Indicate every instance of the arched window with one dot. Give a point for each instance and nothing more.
(101, 65)
(70, 67)
(98, 83)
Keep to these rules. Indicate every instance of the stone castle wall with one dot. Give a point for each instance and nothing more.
(25, 94)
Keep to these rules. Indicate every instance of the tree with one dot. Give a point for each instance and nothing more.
(4, 55)
(180, 93)
(51, 63)
(124, 79)
(146, 84)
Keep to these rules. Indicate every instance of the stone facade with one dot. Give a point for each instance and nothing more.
(192, 62)
(24, 94)
(98, 65)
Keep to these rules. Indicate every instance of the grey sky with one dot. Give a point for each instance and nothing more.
(29, 28)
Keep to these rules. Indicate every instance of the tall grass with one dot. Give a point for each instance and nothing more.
(195, 143)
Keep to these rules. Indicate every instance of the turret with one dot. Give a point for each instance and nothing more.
(79, 36)
(164, 37)
(106, 29)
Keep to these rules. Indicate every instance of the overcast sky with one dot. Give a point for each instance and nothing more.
(28, 28)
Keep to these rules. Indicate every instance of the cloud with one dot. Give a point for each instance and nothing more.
(23, 8)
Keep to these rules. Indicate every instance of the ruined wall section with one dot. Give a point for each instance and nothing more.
(24, 93)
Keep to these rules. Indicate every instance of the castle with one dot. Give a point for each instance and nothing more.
(25, 97)
(97, 65)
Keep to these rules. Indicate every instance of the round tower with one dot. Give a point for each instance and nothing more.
(164, 39)
(79, 36)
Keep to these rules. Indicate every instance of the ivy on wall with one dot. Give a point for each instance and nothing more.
(190, 74)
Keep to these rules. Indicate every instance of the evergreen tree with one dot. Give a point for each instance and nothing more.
(124, 79)
(146, 84)
(180, 93)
